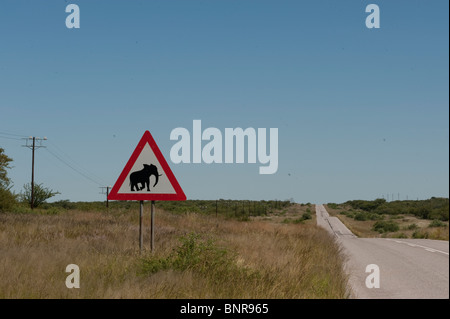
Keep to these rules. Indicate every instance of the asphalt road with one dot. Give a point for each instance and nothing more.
(408, 268)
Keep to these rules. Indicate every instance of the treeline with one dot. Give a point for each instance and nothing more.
(433, 208)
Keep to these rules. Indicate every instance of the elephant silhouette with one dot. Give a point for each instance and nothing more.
(143, 177)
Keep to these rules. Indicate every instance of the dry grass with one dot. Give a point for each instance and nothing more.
(264, 260)
(291, 214)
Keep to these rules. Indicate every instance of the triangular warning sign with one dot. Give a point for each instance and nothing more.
(147, 176)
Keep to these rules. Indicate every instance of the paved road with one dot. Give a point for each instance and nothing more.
(409, 268)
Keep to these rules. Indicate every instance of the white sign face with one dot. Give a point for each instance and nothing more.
(146, 176)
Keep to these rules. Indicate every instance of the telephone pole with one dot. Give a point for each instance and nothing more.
(33, 146)
(107, 194)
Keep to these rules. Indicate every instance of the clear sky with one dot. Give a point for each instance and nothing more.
(361, 112)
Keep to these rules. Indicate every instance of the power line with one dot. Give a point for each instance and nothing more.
(12, 134)
(10, 138)
(73, 168)
(37, 143)
(67, 158)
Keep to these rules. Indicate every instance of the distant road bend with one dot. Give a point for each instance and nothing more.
(409, 268)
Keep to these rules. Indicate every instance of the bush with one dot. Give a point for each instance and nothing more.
(194, 254)
(366, 204)
(299, 220)
(412, 227)
(360, 216)
(420, 235)
(7, 200)
(385, 226)
(21, 209)
(437, 223)
(374, 216)
(348, 214)
(40, 194)
(306, 216)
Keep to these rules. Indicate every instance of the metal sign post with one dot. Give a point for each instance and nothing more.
(152, 227)
(141, 233)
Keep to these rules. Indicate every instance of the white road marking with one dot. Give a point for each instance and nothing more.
(424, 247)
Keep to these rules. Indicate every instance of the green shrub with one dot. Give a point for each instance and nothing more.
(400, 235)
(360, 216)
(306, 215)
(437, 223)
(348, 214)
(196, 254)
(412, 227)
(152, 266)
(40, 194)
(374, 216)
(382, 226)
(366, 205)
(21, 209)
(420, 235)
(7, 200)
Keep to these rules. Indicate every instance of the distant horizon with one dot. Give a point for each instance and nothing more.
(257, 200)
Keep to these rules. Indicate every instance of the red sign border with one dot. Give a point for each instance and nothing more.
(147, 138)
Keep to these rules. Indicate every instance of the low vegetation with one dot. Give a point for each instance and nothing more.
(433, 208)
(399, 219)
(197, 254)
(385, 226)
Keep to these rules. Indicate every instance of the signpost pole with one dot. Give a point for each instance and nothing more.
(141, 234)
(152, 225)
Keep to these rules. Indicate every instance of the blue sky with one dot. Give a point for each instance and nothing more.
(360, 112)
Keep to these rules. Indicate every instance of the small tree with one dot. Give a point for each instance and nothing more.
(7, 199)
(41, 194)
(4, 164)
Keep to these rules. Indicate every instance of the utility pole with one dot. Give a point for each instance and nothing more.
(33, 146)
(107, 194)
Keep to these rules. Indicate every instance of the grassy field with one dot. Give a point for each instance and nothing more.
(363, 224)
(279, 255)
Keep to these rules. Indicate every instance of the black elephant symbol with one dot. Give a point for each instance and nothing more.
(143, 177)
